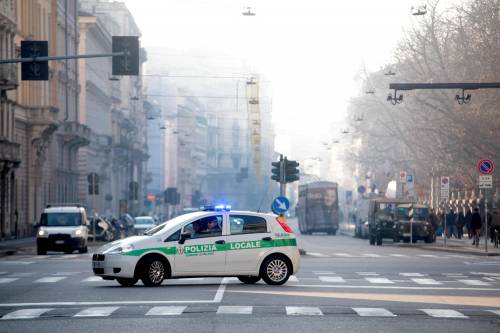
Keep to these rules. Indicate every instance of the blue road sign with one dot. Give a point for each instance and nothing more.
(361, 189)
(409, 178)
(280, 205)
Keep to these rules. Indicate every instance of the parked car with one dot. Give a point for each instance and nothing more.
(143, 223)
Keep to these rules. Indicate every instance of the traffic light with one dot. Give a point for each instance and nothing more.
(134, 190)
(127, 64)
(291, 171)
(276, 171)
(93, 179)
(36, 70)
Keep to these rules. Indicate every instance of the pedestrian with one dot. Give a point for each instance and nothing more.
(468, 220)
(476, 226)
(450, 223)
(460, 224)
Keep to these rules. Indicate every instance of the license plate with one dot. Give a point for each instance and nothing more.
(97, 264)
(59, 242)
(406, 234)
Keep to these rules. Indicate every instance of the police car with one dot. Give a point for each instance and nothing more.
(213, 242)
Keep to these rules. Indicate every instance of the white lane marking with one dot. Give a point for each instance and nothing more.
(17, 262)
(443, 313)
(398, 255)
(475, 283)
(303, 311)
(374, 312)
(25, 314)
(426, 281)
(293, 278)
(485, 273)
(412, 274)
(99, 311)
(371, 255)
(220, 292)
(227, 309)
(93, 279)
(21, 274)
(331, 279)
(497, 312)
(315, 254)
(342, 254)
(7, 280)
(489, 279)
(367, 273)
(166, 311)
(66, 256)
(461, 256)
(379, 280)
(50, 279)
(343, 286)
(65, 273)
(429, 256)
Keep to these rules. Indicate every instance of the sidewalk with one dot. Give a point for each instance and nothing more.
(10, 247)
(463, 245)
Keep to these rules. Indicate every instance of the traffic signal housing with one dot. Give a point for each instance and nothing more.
(291, 171)
(276, 171)
(127, 64)
(36, 70)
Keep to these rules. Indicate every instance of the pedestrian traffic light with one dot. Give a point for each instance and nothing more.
(127, 64)
(291, 171)
(34, 70)
(276, 171)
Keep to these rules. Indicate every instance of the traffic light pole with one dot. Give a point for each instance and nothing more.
(283, 176)
(78, 56)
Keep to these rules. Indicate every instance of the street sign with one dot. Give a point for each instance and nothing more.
(486, 181)
(402, 176)
(409, 178)
(445, 188)
(361, 189)
(485, 167)
(280, 205)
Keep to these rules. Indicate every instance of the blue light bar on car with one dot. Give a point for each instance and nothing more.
(216, 208)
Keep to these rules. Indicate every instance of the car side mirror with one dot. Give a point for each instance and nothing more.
(184, 236)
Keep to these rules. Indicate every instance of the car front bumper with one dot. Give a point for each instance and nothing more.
(113, 265)
(60, 243)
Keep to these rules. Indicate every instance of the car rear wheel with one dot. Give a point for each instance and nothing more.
(154, 273)
(372, 240)
(127, 282)
(275, 270)
(249, 279)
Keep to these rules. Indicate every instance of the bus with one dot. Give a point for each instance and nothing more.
(317, 208)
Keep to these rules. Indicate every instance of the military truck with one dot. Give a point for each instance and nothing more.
(421, 227)
(382, 218)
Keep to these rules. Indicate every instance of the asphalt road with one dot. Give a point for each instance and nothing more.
(343, 285)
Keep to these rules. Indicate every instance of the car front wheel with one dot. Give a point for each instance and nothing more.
(275, 270)
(154, 273)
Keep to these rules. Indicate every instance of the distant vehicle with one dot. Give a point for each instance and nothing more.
(382, 218)
(104, 230)
(421, 226)
(143, 223)
(62, 228)
(213, 242)
(317, 208)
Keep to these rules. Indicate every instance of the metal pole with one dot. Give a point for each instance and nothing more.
(445, 230)
(486, 220)
(76, 56)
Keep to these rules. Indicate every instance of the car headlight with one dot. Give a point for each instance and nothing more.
(121, 249)
(78, 232)
(425, 227)
(42, 232)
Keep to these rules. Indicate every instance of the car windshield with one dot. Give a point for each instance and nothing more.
(61, 219)
(144, 220)
(419, 214)
(170, 224)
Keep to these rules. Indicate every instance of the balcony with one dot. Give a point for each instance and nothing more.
(8, 76)
(75, 134)
(10, 153)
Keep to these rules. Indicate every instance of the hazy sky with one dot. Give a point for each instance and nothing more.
(311, 50)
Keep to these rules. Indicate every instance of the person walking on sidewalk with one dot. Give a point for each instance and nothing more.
(468, 220)
(476, 226)
(450, 223)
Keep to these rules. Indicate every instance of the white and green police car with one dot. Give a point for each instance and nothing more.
(212, 242)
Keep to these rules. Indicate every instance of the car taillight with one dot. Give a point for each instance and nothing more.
(282, 222)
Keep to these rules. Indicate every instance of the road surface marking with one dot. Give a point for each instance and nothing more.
(50, 279)
(303, 311)
(497, 312)
(315, 254)
(371, 255)
(2, 273)
(17, 262)
(367, 273)
(421, 287)
(489, 279)
(227, 309)
(412, 274)
(475, 282)
(426, 281)
(342, 254)
(461, 256)
(429, 256)
(323, 272)
(93, 279)
(100, 311)
(331, 279)
(166, 311)
(398, 255)
(374, 312)
(293, 278)
(192, 279)
(22, 274)
(443, 313)
(220, 292)
(378, 280)
(25, 314)
(66, 273)
(7, 280)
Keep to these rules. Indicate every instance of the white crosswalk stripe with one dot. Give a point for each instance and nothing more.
(379, 280)
(367, 273)
(475, 283)
(443, 313)
(426, 281)
(166, 311)
(293, 278)
(323, 272)
(412, 274)
(99, 311)
(227, 309)
(374, 312)
(50, 279)
(93, 279)
(331, 279)
(303, 311)
(7, 280)
(25, 314)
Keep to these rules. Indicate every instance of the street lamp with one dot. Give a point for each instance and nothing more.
(248, 12)
(395, 99)
(418, 11)
(463, 99)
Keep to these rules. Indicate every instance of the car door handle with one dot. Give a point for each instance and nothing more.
(220, 242)
(267, 239)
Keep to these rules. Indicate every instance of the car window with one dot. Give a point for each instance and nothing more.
(246, 224)
(210, 226)
(61, 219)
(174, 237)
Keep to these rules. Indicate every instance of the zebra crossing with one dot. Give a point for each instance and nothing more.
(391, 255)
(224, 310)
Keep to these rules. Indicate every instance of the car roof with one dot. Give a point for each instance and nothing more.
(63, 209)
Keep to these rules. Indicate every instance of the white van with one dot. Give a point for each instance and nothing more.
(62, 228)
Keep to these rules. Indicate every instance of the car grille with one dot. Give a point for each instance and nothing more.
(59, 237)
(98, 257)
